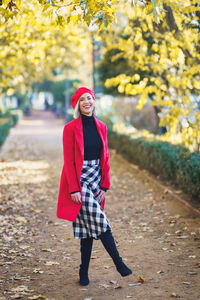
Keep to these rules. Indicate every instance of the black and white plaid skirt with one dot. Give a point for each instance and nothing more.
(91, 220)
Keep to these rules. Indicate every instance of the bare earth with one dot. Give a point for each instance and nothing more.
(157, 234)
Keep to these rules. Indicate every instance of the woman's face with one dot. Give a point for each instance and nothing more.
(86, 104)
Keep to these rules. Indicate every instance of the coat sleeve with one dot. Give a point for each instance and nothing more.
(69, 158)
(105, 180)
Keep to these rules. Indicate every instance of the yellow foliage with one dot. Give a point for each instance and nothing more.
(32, 46)
(101, 12)
(38, 36)
(168, 67)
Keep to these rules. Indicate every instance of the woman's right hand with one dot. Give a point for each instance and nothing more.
(76, 197)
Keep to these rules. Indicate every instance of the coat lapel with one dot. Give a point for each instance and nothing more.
(79, 134)
(100, 130)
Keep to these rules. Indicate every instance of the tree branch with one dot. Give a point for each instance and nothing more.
(170, 18)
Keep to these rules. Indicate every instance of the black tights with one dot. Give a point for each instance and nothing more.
(110, 246)
(86, 250)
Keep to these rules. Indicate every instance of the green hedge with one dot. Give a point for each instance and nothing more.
(171, 162)
(15, 114)
(15, 117)
(5, 125)
(8, 119)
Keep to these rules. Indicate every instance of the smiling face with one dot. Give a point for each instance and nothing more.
(86, 104)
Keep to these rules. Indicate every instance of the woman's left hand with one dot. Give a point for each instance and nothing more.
(101, 195)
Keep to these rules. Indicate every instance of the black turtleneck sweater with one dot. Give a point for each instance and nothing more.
(92, 141)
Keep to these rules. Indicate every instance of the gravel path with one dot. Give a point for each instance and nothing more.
(157, 235)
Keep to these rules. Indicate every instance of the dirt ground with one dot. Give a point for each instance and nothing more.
(157, 234)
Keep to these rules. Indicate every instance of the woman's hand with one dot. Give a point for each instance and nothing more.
(101, 195)
(76, 197)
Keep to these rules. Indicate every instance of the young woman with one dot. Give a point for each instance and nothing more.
(84, 181)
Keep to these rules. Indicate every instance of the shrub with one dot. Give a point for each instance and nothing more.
(173, 162)
(8, 118)
(15, 114)
(5, 125)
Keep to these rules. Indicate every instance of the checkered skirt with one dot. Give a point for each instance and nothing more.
(91, 220)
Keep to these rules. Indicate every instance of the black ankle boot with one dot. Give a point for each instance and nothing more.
(86, 250)
(110, 246)
(123, 269)
(83, 276)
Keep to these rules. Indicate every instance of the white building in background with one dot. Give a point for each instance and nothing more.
(40, 100)
(9, 102)
(37, 101)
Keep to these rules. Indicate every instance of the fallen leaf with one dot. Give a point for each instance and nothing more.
(38, 271)
(21, 288)
(118, 286)
(37, 297)
(105, 286)
(134, 284)
(178, 192)
(172, 222)
(174, 295)
(35, 210)
(138, 237)
(141, 279)
(96, 251)
(21, 219)
(16, 296)
(106, 267)
(66, 257)
(124, 187)
(49, 263)
(172, 244)
(24, 246)
(192, 273)
(113, 281)
(178, 232)
(177, 216)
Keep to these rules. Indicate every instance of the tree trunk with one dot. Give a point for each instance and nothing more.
(160, 129)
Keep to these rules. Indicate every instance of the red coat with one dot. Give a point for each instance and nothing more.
(73, 150)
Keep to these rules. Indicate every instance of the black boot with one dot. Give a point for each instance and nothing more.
(110, 246)
(86, 250)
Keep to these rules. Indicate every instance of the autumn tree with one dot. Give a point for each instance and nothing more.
(162, 47)
(33, 46)
(163, 63)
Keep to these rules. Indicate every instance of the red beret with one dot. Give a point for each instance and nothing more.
(78, 93)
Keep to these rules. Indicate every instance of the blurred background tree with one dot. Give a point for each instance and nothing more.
(161, 63)
(150, 52)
